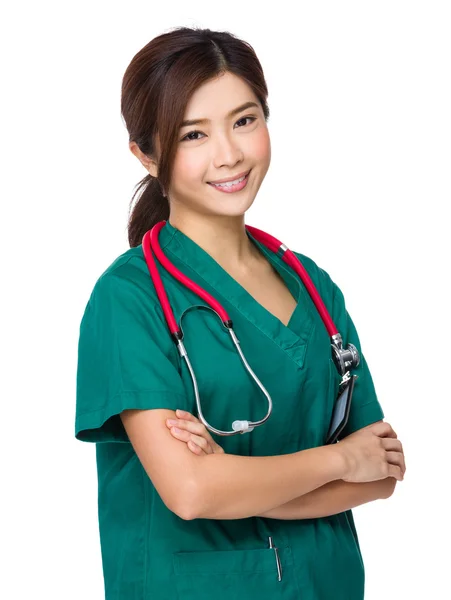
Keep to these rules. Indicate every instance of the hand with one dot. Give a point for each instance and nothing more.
(192, 431)
(373, 453)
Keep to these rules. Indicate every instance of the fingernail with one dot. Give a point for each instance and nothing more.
(172, 422)
(180, 412)
(176, 430)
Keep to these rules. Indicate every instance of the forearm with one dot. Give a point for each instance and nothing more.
(236, 487)
(332, 498)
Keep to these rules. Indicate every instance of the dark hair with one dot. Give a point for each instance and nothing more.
(156, 89)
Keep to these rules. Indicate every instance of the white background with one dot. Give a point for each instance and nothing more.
(360, 127)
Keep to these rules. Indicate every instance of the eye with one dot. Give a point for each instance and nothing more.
(244, 118)
(188, 139)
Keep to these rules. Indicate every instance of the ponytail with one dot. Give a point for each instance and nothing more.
(150, 208)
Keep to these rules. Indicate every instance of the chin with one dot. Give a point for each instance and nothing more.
(233, 209)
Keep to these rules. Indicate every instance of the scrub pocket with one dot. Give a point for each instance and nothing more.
(221, 575)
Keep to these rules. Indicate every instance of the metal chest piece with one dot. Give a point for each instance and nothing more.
(345, 359)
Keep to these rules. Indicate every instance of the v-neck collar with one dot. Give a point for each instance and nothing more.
(202, 268)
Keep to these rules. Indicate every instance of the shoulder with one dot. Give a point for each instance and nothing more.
(123, 306)
(123, 293)
(126, 276)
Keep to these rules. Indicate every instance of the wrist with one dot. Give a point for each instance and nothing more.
(338, 461)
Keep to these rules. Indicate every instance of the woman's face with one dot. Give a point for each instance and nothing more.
(222, 147)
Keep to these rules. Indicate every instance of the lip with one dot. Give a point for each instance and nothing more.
(232, 188)
(230, 178)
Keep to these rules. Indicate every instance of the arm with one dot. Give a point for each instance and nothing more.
(224, 486)
(234, 487)
(332, 498)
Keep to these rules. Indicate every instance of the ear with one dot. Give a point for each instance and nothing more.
(148, 163)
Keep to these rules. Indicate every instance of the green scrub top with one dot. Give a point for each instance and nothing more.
(128, 360)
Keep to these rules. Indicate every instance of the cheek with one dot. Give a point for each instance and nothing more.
(188, 170)
(261, 145)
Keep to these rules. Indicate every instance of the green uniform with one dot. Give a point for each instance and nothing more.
(127, 360)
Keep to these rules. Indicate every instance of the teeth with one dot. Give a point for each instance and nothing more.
(229, 183)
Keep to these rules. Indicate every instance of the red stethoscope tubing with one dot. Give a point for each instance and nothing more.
(150, 242)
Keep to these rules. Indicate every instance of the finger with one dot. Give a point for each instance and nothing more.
(211, 448)
(186, 436)
(395, 471)
(396, 458)
(196, 428)
(383, 429)
(183, 414)
(217, 449)
(187, 416)
(195, 448)
(392, 444)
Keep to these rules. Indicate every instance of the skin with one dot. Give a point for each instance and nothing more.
(189, 429)
(329, 499)
(224, 147)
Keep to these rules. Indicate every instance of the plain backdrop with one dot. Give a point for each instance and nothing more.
(360, 126)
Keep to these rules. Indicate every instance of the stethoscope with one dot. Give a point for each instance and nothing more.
(344, 358)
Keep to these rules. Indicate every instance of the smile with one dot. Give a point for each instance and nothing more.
(232, 186)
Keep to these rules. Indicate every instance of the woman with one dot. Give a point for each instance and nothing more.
(264, 514)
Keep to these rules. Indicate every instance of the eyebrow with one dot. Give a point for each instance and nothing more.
(232, 113)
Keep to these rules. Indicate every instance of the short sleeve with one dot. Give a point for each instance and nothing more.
(127, 359)
(365, 408)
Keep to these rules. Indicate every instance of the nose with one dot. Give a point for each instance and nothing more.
(227, 151)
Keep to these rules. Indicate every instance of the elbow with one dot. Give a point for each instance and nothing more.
(187, 505)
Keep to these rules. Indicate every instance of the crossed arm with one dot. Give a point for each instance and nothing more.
(332, 498)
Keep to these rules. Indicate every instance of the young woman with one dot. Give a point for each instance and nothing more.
(264, 514)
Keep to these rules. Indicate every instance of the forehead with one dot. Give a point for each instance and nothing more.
(216, 98)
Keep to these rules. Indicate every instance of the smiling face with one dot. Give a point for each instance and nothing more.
(224, 146)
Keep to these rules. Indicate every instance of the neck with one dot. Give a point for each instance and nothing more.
(223, 238)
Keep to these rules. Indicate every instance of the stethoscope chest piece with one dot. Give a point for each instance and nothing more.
(345, 359)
